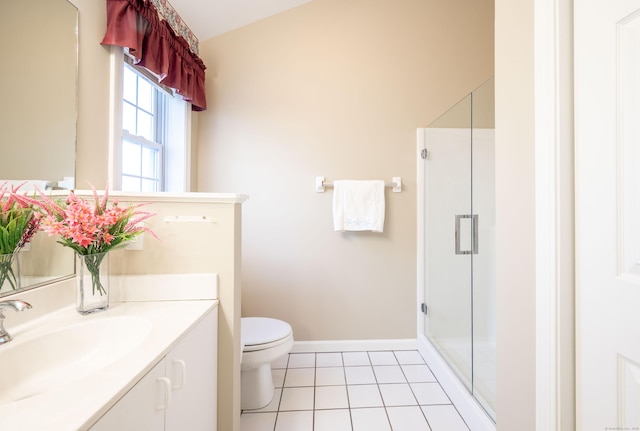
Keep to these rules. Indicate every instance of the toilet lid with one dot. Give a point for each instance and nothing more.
(262, 330)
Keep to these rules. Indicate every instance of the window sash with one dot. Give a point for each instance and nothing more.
(141, 168)
(151, 139)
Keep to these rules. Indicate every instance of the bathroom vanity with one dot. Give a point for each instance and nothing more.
(148, 365)
(178, 393)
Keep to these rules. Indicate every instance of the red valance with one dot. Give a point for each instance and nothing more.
(135, 24)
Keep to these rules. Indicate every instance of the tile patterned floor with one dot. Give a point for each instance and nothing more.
(355, 391)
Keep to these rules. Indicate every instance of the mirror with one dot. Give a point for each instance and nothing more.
(38, 80)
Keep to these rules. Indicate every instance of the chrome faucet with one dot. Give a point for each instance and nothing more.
(17, 305)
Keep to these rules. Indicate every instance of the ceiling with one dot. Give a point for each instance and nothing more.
(209, 18)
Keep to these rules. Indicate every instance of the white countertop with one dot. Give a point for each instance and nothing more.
(79, 403)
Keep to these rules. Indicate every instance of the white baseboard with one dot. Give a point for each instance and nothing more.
(353, 345)
(475, 417)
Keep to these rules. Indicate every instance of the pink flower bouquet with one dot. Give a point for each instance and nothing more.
(19, 221)
(93, 228)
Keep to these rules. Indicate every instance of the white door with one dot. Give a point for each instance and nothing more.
(607, 118)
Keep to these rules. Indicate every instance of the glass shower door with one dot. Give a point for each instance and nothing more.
(449, 238)
(459, 242)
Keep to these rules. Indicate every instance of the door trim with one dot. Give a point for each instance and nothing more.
(555, 305)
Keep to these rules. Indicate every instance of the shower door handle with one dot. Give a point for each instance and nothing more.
(474, 233)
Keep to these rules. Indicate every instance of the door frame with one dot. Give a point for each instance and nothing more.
(554, 217)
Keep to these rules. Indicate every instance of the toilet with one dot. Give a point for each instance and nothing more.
(263, 341)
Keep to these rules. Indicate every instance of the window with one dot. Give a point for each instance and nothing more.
(142, 134)
(153, 152)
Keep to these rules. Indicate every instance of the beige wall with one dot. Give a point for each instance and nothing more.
(515, 216)
(334, 89)
(477, 112)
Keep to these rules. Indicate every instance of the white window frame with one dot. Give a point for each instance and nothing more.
(177, 157)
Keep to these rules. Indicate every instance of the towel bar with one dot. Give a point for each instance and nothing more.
(396, 184)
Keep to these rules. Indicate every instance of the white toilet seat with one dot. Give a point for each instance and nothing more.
(260, 333)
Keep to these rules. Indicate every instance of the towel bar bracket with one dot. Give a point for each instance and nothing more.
(320, 184)
(395, 184)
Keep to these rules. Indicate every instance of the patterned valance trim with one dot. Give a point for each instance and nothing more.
(137, 25)
(169, 14)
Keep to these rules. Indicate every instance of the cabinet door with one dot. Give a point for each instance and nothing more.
(192, 368)
(140, 408)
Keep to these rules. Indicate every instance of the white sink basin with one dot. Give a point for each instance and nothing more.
(61, 356)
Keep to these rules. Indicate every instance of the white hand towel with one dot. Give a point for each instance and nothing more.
(358, 205)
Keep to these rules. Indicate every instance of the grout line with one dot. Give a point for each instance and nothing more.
(413, 392)
(315, 371)
(346, 388)
(384, 406)
(284, 379)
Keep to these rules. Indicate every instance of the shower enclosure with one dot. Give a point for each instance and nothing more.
(456, 292)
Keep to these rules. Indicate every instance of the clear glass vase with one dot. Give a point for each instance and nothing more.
(9, 272)
(92, 282)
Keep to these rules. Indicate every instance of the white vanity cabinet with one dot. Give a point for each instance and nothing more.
(179, 393)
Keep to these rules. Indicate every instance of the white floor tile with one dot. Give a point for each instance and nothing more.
(332, 420)
(389, 374)
(407, 419)
(278, 377)
(370, 420)
(383, 358)
(330, 376)
(299, 377)
(384, 391)
(297, 399)
(430, 393)
(444, 418)
(302, 360)
(364, 396)
(331, 397)
(257, 421)
(360, 375)
(418, 373)
(295, 421)
(329, 359)
(273, 405)
(355, 358)
(409, 357)
(281, 362)
(398, 395)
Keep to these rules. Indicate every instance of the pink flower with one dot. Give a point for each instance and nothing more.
(92, 227)
(19, 218)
